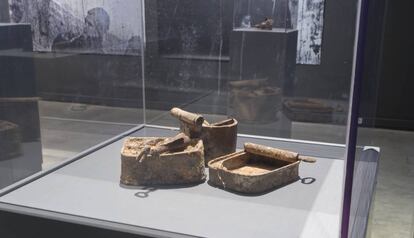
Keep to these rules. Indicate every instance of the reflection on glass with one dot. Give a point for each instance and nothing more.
(254, 100)
(273, 80)
(10, 143)
(70, 78)
(20, 144)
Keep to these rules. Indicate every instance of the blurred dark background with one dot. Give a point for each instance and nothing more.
(178, 73)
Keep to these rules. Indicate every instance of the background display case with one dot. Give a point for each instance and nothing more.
(260, 73)
(249, 14)
(103, 71)
(20, 153)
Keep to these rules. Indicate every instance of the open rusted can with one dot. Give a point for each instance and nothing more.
(257, 169)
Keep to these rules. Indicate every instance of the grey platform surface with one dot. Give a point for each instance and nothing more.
(89, 188)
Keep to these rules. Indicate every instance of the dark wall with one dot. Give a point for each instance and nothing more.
(188, 44)
(16, 73)
(90, 78)
(396, 85)
(194, 26)
(372, 63)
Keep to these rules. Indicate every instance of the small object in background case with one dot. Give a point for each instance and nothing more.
(256, 170)
(267, 24)
(162, 161)
(219, 138)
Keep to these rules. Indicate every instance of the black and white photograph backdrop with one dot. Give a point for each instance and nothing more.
(307, 17)
(82, 26)
(115, 26)
(304, 15)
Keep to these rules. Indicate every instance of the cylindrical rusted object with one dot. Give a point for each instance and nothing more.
(187, 117)
(285, 155)
(219, 138)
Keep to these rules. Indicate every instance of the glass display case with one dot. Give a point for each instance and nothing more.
(263, 14)
(253, 81)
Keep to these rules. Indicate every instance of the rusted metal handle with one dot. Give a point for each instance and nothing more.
(187, 117)
(271, 152)
(307, 159)
(177, 142)
(285, 155)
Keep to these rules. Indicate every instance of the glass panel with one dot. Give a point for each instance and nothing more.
(70, 78)
(73, 73)
(290, 80)
(386, 122)
(208, 57)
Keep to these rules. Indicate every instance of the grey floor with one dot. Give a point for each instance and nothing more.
(68, 129)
